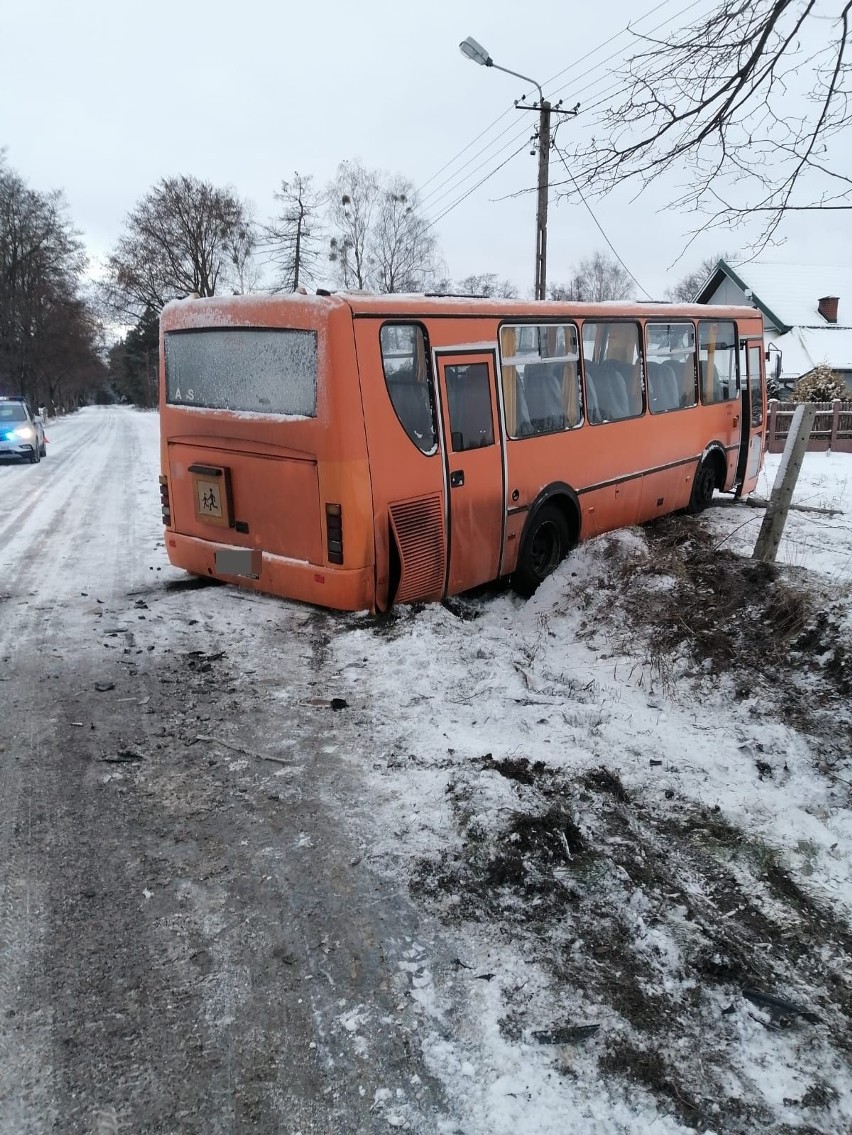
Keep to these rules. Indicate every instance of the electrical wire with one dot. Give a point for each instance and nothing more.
(453, 182)
(473, 188)
(599, 225)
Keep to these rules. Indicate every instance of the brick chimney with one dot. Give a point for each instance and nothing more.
(827, 307)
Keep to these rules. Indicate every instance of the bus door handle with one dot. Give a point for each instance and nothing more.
(457, 479)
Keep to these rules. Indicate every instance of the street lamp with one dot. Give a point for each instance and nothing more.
(478, 54)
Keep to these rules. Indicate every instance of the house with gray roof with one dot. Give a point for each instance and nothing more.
(807, 313)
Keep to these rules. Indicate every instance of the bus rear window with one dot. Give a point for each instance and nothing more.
(261, 371)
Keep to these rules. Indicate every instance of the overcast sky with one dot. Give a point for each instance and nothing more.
(104, 99)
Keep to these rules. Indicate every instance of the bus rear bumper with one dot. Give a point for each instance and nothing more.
(343, 589)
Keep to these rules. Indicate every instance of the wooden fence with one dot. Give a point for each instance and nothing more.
(832, 428)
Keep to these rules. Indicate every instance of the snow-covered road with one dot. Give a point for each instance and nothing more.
(187, 943)
(517, 885)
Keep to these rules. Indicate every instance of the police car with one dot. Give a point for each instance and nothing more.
(21, 431)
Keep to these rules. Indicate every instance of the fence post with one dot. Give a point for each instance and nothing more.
(772, 528)
(835, 423)
(773, 412)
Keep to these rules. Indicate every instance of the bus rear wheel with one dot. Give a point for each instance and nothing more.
(547, 541)
(702, 488)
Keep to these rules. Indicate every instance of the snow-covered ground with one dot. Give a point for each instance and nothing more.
(622, 837)
(615, 807)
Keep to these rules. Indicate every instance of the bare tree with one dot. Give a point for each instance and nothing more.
(596, 278)
(401, 246)
(294, 238)
(686, 289)
(752, 101)
(47, 333)
(488, 285)
(184, 236)
(352, 195)
(381, 241)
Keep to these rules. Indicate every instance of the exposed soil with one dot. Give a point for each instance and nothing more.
(579, 856)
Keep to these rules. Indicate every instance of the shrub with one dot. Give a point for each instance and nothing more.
(821, 385)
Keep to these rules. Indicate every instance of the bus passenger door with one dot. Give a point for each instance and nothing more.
(752, 415)
(473, 461)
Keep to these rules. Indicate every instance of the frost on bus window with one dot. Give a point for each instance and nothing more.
(261, 371)
(541, 386)
(406, 370)
(670, 366)
(717, 360)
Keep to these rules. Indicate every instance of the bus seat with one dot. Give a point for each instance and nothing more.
(543, 394)
(611, 391)
(669, 388)
(686, 384)
(663, 388)
(411, 402)
(631, 379)
(523, 427)
(593, 410)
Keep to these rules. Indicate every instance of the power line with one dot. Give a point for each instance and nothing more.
(464, 150)
(449, 209)
(459, 182)
(598, 224)
(452, 182)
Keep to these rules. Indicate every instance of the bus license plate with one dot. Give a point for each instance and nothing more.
(239, 561)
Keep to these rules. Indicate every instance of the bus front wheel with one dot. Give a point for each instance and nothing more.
(547, 541)
(702, 488)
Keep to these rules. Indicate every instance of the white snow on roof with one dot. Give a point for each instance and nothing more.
(792, 291)
(803, 348)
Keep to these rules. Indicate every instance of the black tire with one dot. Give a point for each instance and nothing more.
(42, 451)
(702, 488)
(546, 542)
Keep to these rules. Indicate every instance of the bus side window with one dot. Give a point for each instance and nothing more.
(717, 361)
(670, 353)
(406, 370)
(541, 385)
(614, 371)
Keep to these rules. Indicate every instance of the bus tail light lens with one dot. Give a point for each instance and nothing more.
(164, 501)
(334, 530)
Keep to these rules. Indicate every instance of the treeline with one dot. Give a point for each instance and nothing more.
(365, 230)
(50, 340)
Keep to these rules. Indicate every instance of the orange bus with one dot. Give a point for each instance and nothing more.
(356, 451)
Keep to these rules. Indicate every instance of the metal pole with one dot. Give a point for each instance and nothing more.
(541, 212)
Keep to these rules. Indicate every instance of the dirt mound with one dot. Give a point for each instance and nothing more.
(668, 919)
(765, 631)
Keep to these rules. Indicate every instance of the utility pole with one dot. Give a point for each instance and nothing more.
(543, 191)
(478, 54)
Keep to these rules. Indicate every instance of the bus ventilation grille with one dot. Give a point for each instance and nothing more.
(418, 526)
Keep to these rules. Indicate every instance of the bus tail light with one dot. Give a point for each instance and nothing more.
(164, 501)
(334, 530)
